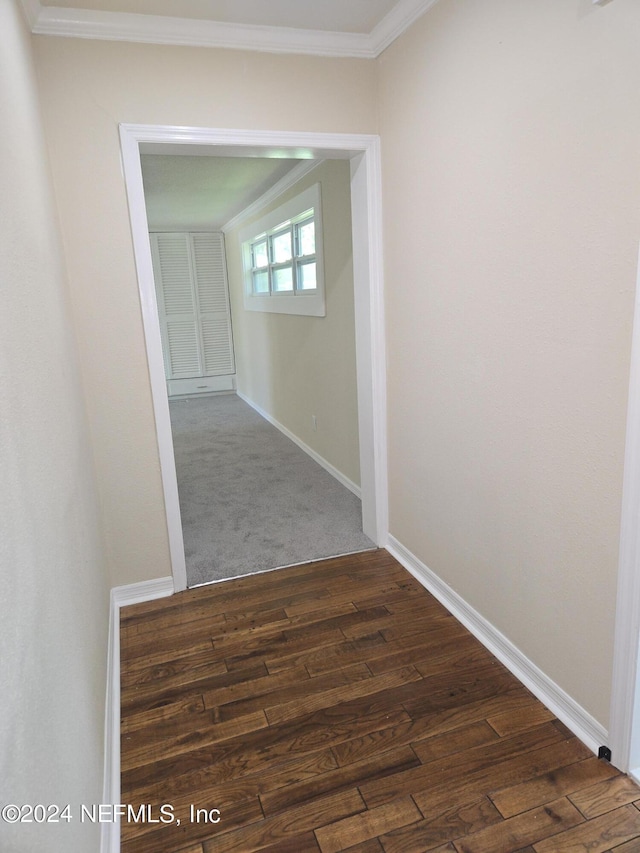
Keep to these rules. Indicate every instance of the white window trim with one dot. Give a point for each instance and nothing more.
(306, 303)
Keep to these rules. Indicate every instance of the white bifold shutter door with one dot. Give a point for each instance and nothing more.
(193, 304)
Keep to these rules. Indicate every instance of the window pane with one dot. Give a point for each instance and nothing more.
(261, 282)
(260, 256)
(307, 276)
(307, 238)
(283, 279)
(281, 248)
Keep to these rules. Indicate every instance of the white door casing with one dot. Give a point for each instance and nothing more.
(624, 720)
(363, 152)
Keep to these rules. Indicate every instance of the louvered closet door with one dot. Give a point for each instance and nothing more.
(193, 303)
(212, 295)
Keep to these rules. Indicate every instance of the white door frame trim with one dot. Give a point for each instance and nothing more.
(363, 151)
(624, 723)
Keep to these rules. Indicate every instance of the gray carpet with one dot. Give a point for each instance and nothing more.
(250, 499)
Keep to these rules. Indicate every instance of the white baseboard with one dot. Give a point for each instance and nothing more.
(566, 709)
(340, 477)
(120, 597)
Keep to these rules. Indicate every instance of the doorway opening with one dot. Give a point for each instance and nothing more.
(362, 154)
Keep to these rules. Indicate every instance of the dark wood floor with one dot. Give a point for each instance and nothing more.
(338, 707)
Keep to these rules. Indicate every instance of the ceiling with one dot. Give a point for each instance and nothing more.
(355, 28)
(353, 16)
(203, 193)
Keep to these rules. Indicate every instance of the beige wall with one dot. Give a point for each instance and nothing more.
(54, 602)
(88, 88)
(510, 136)
(511, 143)
(294, 367)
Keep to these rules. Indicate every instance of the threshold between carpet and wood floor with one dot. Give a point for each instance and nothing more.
(338, 706)
(250, 498)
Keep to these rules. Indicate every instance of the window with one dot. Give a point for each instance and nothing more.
(282, 256)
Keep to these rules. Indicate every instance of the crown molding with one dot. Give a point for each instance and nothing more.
(32, 10)
(156, 29)
(399, 19)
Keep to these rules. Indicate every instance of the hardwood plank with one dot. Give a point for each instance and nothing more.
(146, 750)
(343, 594)
(605, 796)
(368, 599)
(558, 782)
(245, 617)
(170, 629)
(282, 827)
(254, 687)
(303, 596)
(327, 698)
(457, 740)
(179, 670)
(352, 619)
(144, 651)
(294, 700)
(408, 604)
(185, 614)
(197, 817)
(328, 658)
(517, 832)
(262, 649)
(257, 751)
(632, 846)
(441, 691)
(311, 622)
(157, 654)
(484, 779)
(143, 699)
(508, 724)
(141, 838)
(457, 820)
(177, 712)
(394, 654)
(486, 770)
(305, 843)
(481, 759)
(338, 706)
(374, 563)
(294, 771)
(376, 767)
(419, 620)
(366, 825)
(432, 659)
(430, 725)
(597, 835)
(370, 846)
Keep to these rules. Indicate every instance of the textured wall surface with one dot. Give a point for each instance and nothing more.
(88, 88)
(54, 598)
(294, 367)
(511, 133)
(510, 136)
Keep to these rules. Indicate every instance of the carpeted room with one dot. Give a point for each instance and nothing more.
(250, 498)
